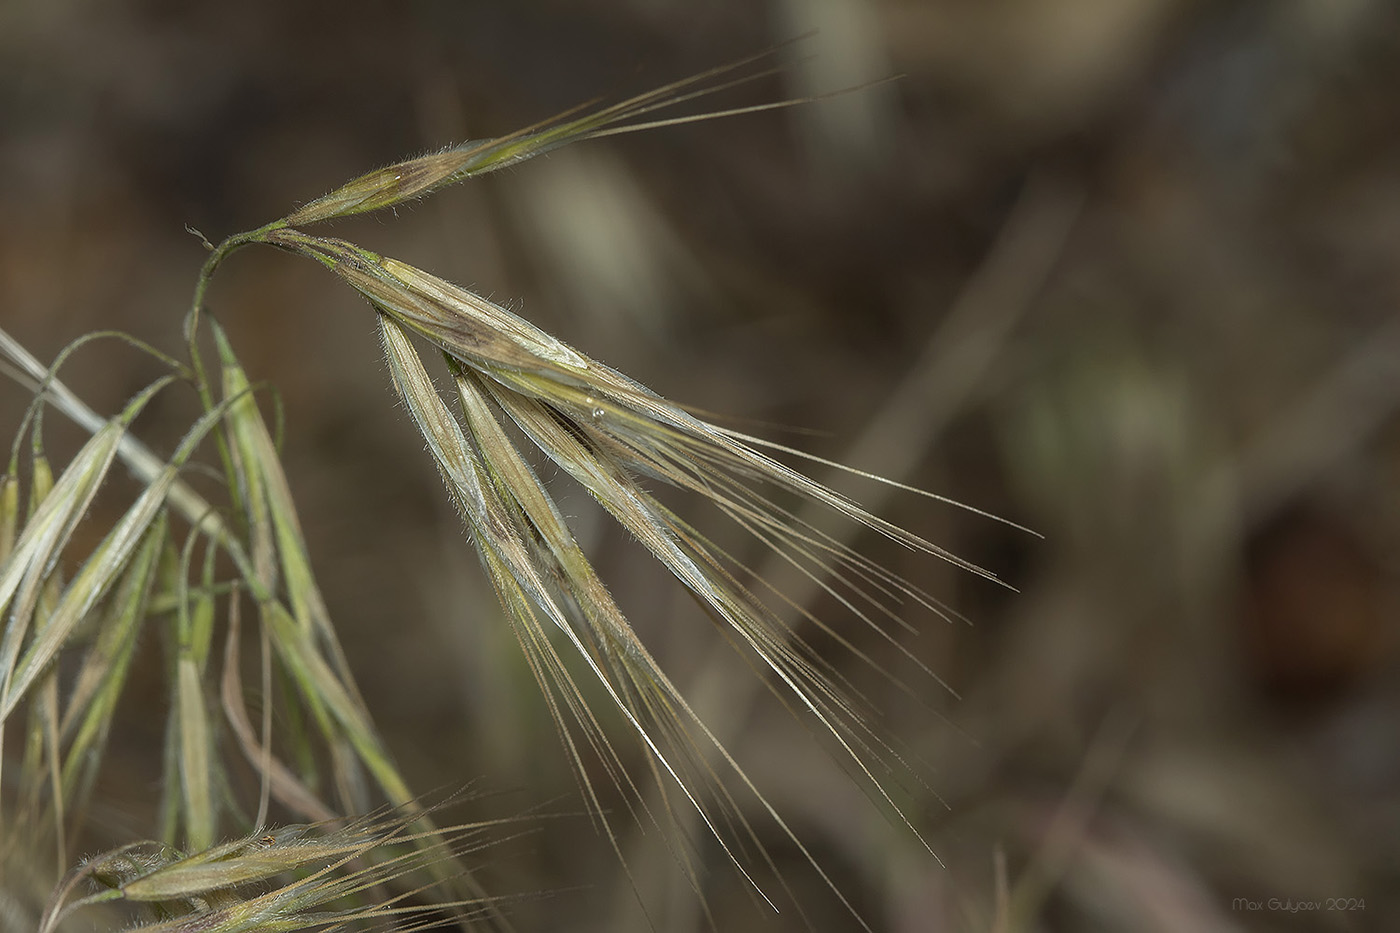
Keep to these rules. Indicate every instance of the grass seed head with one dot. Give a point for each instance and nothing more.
(607, 430)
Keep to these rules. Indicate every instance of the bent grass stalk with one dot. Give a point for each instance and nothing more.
(607, 431)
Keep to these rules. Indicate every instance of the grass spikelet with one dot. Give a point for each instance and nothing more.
(414, 178)
(297, 877)
(45, 534)
(9, 514)
(99, 682)
(101, 570)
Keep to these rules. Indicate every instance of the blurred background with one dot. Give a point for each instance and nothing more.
(1125, 272)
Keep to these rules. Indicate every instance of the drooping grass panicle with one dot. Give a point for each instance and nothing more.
(607, 430)
(516, 387)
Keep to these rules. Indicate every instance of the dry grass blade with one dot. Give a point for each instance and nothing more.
(281, 781)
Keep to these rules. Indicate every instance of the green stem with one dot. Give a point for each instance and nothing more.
(201, 286)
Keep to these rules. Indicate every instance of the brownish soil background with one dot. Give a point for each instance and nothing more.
(1124, 271)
